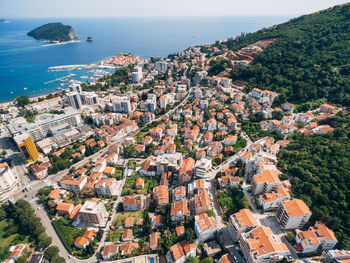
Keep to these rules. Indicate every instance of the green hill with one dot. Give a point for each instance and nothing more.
(309, 62)
(53, 32)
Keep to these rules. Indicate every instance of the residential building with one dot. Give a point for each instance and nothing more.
(161, 196)
(176, 254)
(265, 182)
(260, 245)
(74, 184)
(185, 174)
(271, 201)
(205, 227)
(40, 171)
(319, 237)
(179, 210)
(7, 178)
(64, 209)
(201, 202)
(135, 202)
(293, 214)
(122, 105)
(211, 248)
(93, 212)
(126, 248)
(110, 251)
(241, 222)
(74, 100)
(136, 74)
(202, 166)
(154, 241)
(57, 195)
(336, 256)
(226, 259)
(107, 187)
(26, 145)
(161, 66)
(179, 193)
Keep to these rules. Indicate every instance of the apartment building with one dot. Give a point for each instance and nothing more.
(74, 184)
(293, 214)
(201, 202)
(202, 166)
(161, 196)
(179, 210)
(241, 222)
(260, 245)
(265, 182)
(179, 193)
(107, 187)
(134, 202)
(94, 213)
(318, 237)
(185, 174)
(271, 201)
(205, 227)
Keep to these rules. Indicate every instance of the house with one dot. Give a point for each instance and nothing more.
(127, 235)
(326, 108)
(112, 157)
(57, 195)
(81, 242)
(154, 241)
(135, 202)
(229, 180)
(157, 221)
(201, 202)
(109, 170)
(129, 222)
(140, 183)
(226, 259)
(189, 249)
(179, 193)
(195, 185)
(64, 209)
(241, 222)
(126, 248)
(288, 107)
(176, 254)
(148, 169)
(40, 171)
(180, 231)
(211, 248)
(293, 214)
(260, 244)
(16, 251)
(205, 227)
(110, 251)
(211, 124)
(140, 148)
(179, 210)
(230, 140)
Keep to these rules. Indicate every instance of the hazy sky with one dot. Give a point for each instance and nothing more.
(127, 8)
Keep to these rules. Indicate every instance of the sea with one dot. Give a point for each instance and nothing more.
(24, 62)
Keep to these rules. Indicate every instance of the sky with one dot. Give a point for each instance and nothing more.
(154, 8)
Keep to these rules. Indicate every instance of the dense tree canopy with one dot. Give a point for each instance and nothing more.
(309, 61)
(320, 166)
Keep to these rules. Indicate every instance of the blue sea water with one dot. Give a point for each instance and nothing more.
(24, 61)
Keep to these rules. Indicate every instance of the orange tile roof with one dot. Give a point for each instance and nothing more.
(296, 207)
(154, 239)
(64, 207)
(55, 193)
(75, 212)
(129, 221)
(226, 259)
(180, 208)
(268, 176)
(81, 241)
(180, 230)
(245, 218)
(177, 251)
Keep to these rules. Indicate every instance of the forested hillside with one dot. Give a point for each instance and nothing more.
(320, 165)
(309, 61)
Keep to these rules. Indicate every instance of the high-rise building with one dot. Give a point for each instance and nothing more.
(161, 66)
(136, 75)
(26, 144)
(241, 222)
(89, 98)
(75, 100)
(293, 214)
(122, 105)
(75, 88)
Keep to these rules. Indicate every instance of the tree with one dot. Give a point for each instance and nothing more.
(57, 259)
(207, 260)
(192, 260)
(50, 252)
(22, 100)
(44, 240)
(190, 235)
(21, 259)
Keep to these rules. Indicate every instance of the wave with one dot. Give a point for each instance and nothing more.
(23, 49)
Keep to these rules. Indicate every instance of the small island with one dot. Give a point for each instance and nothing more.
(54, 32)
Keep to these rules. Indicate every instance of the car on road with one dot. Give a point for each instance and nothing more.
(38, 208)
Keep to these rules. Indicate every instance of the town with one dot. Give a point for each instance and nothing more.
(166, 160)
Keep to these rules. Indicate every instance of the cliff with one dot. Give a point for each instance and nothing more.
(54, 32)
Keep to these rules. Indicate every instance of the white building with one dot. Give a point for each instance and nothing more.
(161, 66)
(122, 105)
(241, 222)
(205, 227)
(74, 100)
(107, 187)
(136, 75)
(202, 166)
(293, 214)
(7, 179)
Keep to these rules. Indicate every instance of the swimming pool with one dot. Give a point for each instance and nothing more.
(151, 260)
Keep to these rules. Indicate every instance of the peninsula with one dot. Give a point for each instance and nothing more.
(54, 32)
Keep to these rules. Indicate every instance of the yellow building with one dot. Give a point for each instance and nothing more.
(28, 147)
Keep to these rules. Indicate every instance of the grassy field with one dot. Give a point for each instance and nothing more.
(7, 241)
(119, 219)
(114, 235)
(129, 187)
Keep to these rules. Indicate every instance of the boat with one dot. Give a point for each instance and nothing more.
(89, 39)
